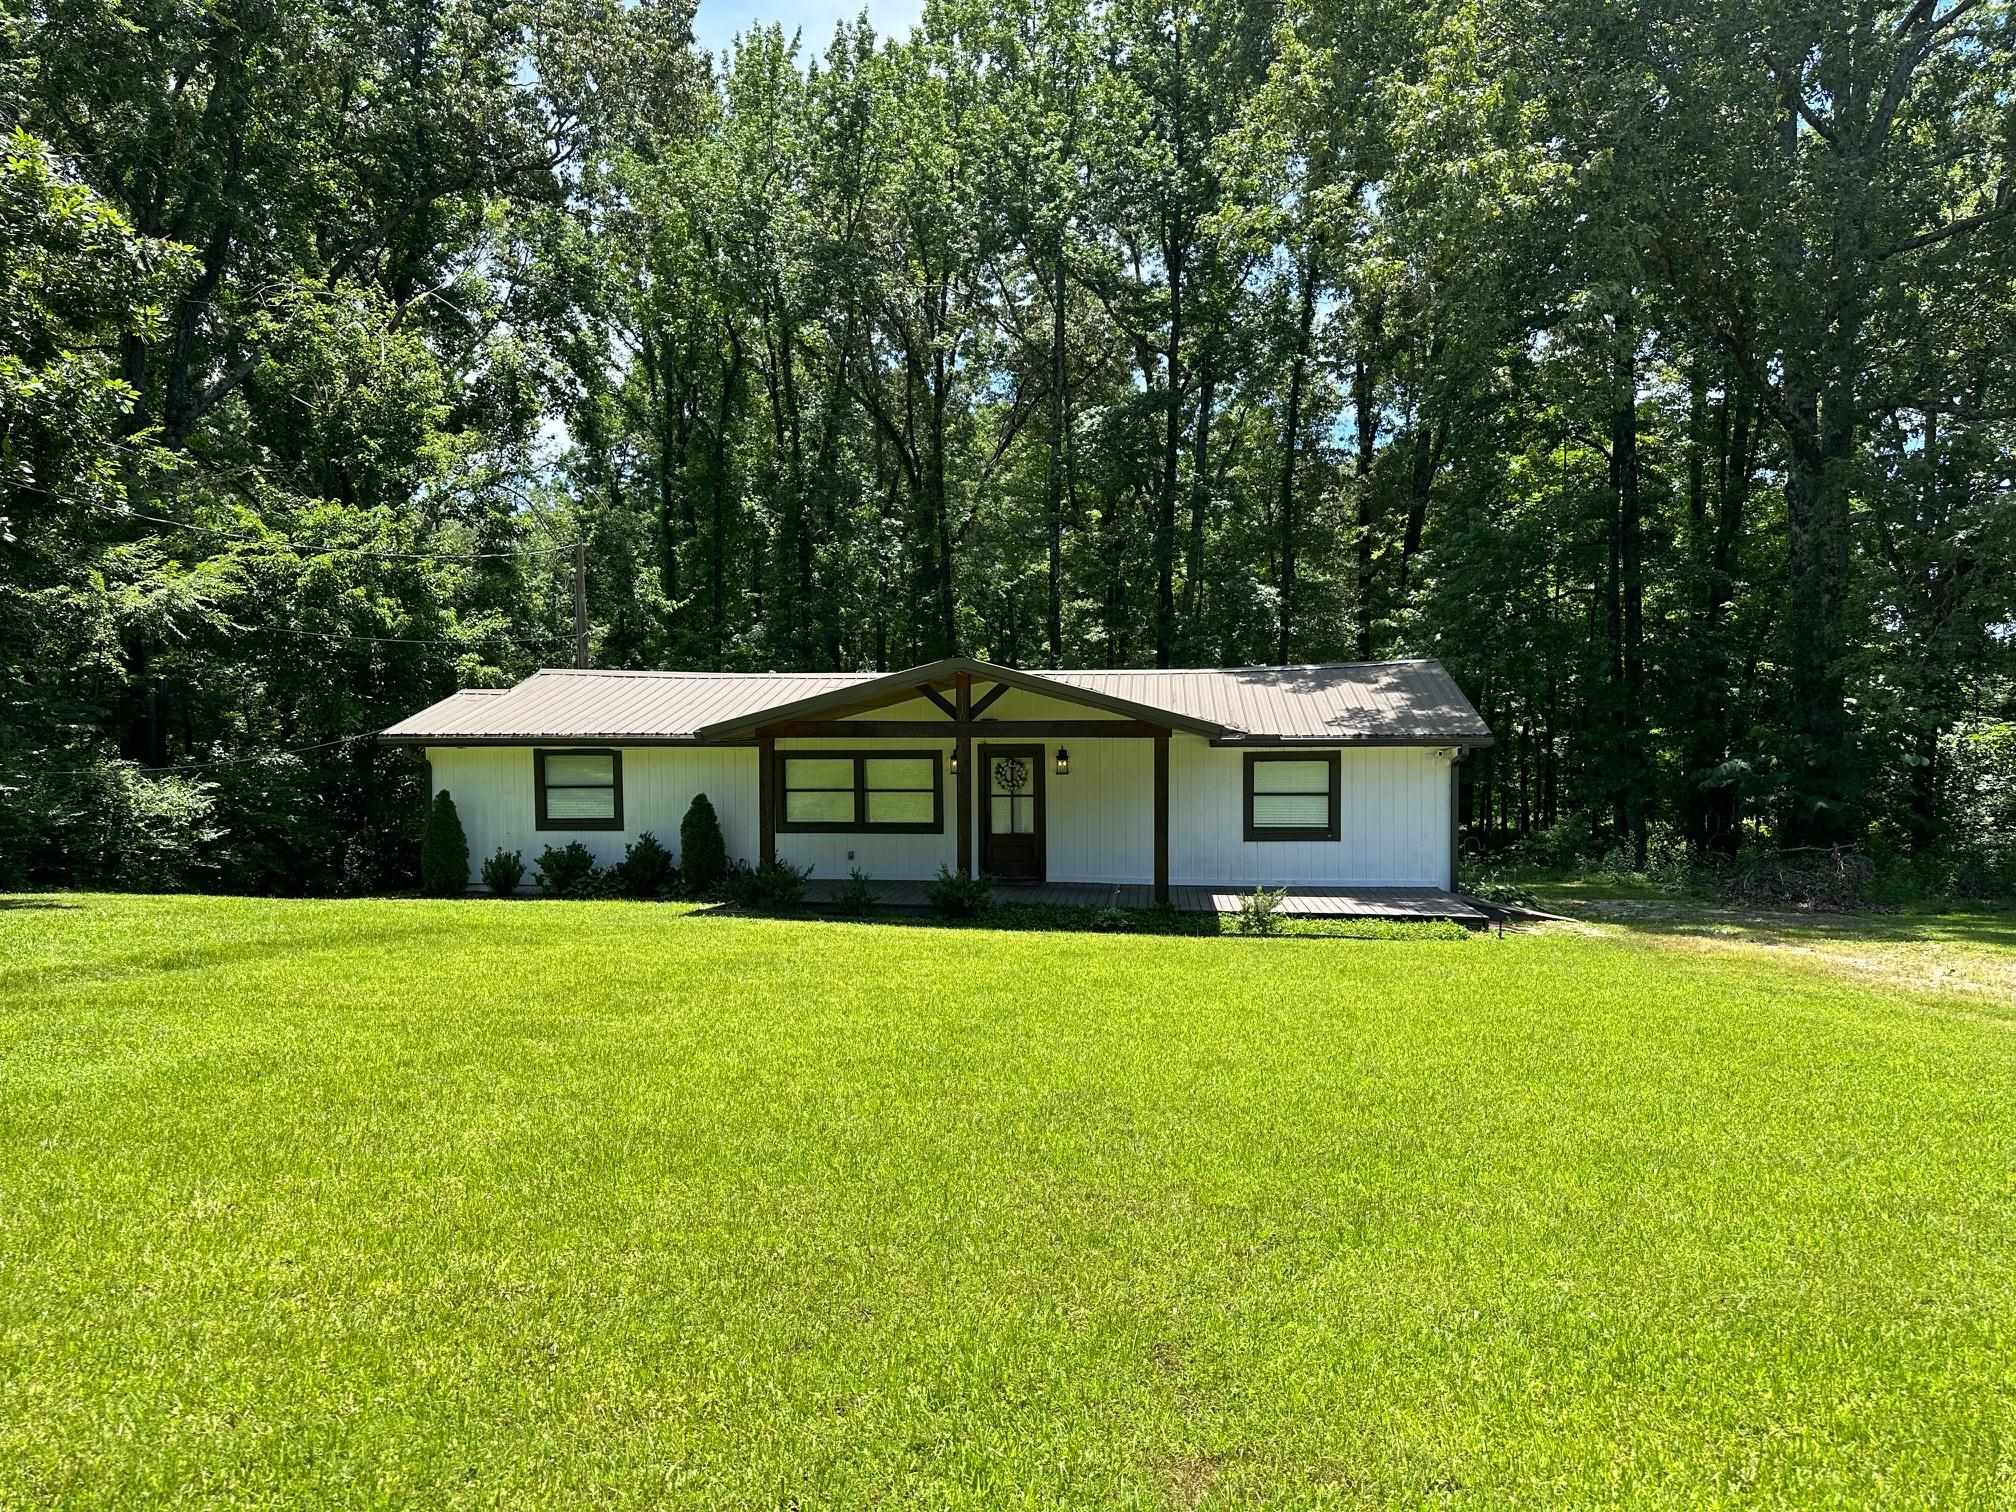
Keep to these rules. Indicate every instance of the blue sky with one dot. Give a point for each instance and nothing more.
(719, 20)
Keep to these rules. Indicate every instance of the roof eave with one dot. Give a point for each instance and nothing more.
(527, 738)
(1471, 742)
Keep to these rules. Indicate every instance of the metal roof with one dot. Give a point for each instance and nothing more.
(1399, 702)
(1410, 701)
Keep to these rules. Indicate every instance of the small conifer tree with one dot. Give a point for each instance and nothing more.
(703, 854)
(444, 850)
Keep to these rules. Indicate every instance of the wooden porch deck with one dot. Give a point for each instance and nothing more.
(1327, 902)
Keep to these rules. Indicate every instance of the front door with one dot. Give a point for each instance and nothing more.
(1011, 812)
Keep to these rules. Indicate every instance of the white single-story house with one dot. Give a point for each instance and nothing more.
(1341, 774)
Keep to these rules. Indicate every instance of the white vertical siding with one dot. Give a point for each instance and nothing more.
(1394, 830)
(493, 795)
(1100, 818)
(1102, 815)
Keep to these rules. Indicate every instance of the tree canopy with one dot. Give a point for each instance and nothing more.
(1649, 365)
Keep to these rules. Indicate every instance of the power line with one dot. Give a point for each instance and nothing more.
(308, 550)
(393, 640)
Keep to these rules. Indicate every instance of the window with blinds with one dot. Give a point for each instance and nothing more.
(578, 790)
(1290, 796)
(833, 792)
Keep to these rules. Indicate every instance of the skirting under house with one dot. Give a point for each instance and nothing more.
(1342, 774)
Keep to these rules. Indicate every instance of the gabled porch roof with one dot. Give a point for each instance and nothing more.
(929, 681)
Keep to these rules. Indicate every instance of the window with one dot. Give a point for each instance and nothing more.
(898, 792)
(1292, 797)
(578, 790)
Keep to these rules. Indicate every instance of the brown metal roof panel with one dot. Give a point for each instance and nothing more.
(1384, 700)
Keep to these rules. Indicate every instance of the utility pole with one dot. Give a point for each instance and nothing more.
(581, 604)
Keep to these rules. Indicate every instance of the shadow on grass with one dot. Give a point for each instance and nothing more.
(9, 905)
(1056, 919)
(1986, 927)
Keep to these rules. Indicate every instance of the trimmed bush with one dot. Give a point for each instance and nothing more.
(1257, 912)
(503, 872)
(646, 870)
(957, 897)
(444, 850)
(773, 885)
(564, 871)
(703, 854)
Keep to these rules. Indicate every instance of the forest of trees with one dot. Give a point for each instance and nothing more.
(1652, 364)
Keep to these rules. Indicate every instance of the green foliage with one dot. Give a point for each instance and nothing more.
(567, 871)
(444, 850)
(503, 872)
(956, 897)
(1493, 887)
(1063, 334)
(115, 825)
(772, 887)
(854, 896)
(647, 870)
(1259, 912)
(703, 853)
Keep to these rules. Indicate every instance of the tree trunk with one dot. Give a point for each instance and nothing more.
(1291, 439)
(1364, 387)
(1172, 441)
(1053, 483)
(1200, 505)
(1429, 440)
(1631, 551)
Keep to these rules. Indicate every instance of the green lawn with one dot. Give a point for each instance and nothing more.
(514, 1204)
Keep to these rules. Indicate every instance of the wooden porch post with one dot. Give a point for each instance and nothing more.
(1161, 739)
(766, 799)
(962, 758)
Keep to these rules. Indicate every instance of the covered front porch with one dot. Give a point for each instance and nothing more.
(945, 725)
(1417, 903)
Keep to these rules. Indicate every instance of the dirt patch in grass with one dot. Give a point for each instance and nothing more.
(1970, 953)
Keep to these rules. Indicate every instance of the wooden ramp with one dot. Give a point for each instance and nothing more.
(1339, 902)
(1425, 903)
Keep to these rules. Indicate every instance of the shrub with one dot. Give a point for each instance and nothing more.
(444, 850)
(957, 897)
(503, 872)
(1257, 912)
(1488, 887)
(564, 871)
(114, 824)
(703, 854)
(646, 870)
(773, 885)
(1112, 919)
(855, 895)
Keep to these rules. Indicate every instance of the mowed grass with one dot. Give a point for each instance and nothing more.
(524, 1204)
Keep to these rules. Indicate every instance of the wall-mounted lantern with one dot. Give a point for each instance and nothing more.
(1063, 762)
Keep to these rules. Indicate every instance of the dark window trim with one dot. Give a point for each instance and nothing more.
(1330, 831)
(542, 821)
(859, 824)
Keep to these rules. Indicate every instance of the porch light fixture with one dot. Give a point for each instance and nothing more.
(1063, 762)
(955, 761)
